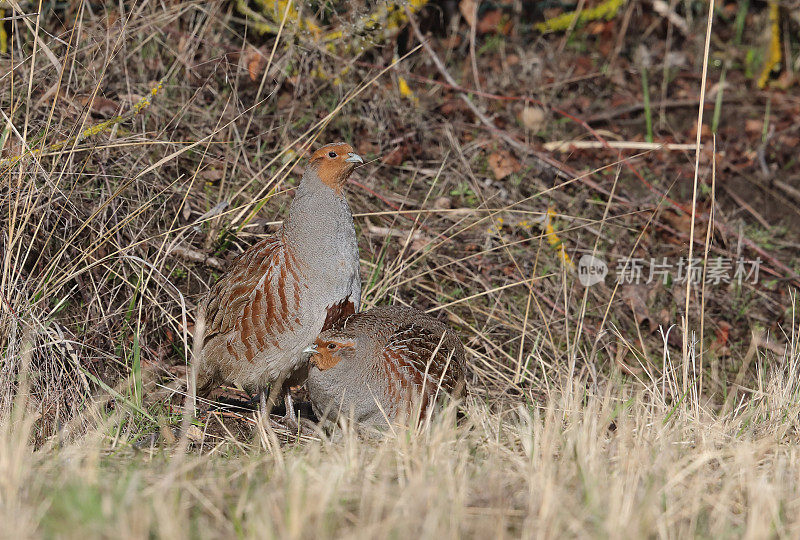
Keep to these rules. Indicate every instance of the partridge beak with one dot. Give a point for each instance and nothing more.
(311, 349)
(352, 157)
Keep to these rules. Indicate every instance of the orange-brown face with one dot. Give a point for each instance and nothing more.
(327, 353)
(334, 163)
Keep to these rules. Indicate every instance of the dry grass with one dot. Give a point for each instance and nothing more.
(619, 464)
(583, 421)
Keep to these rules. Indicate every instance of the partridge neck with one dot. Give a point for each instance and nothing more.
(320, 223)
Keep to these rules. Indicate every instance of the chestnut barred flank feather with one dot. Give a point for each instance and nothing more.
(279, 294)
(383, 364)
(337, 313)
(416, 358)
(246, 296)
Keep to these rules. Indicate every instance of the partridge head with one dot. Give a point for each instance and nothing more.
(334, 163)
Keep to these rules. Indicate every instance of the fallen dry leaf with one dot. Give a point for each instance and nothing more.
(490, 22)
(395, 157)
(452, 106)
(502, 164)
(365, 146)
(442, 203)
(284, 100)
(112, 16)
(722, 336)
(100, 105)
(705, 131)
(255, 62)
(451, 42)
(682, 222)
(211, 174)
(753, 126)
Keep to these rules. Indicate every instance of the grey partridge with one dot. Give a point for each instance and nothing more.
(384, 364)
(277, 296)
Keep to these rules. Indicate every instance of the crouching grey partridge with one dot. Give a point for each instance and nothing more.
(384, 364)
(282, 292)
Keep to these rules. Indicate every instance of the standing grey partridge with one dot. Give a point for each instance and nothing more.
(282, 292)
(382, 364)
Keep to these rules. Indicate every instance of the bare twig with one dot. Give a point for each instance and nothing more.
(195, 256)
(565, 146)
(663, 9)
(685, 359)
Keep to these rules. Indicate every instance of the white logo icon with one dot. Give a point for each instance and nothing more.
(591, 270)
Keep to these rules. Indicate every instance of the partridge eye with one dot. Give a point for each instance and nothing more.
(331, 346)
(332, 154)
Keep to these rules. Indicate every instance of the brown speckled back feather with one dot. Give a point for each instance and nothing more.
(390, 359)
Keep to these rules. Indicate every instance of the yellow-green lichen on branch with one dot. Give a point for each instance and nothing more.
(774, 53)
(605, 10)
(381, 23)
(270, 13)
(3, 34)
